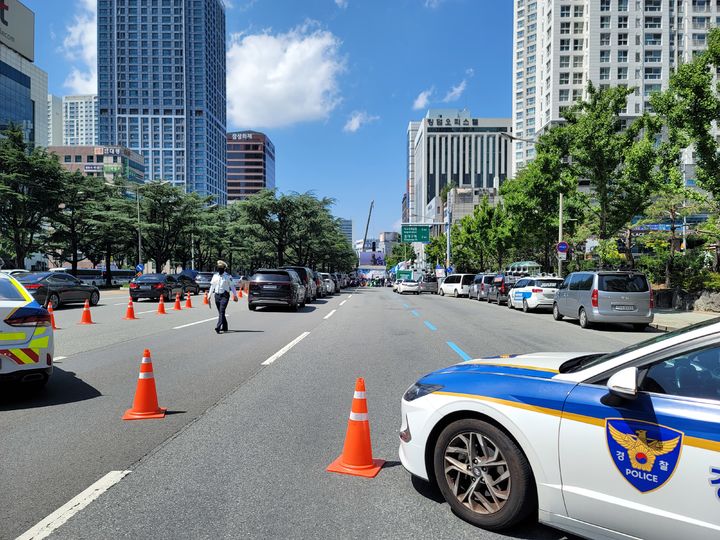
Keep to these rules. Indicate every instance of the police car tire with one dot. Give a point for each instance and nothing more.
(526, 308)
(522, 502)
(510, 304)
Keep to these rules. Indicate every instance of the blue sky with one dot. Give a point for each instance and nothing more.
(334, 83)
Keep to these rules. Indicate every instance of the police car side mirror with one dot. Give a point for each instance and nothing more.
(624, 383)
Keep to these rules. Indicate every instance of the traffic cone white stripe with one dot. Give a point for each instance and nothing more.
(359, 395)
(148, 375)
(146, 360)
(358, 417)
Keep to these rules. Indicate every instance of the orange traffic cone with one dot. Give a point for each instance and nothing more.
(145, 404)
(130, 313)
(188, 302)
(86, 317)
(356, 458)
(205, 299)
(52, 317)
(161, 306)
(177, 306)
(240, 293)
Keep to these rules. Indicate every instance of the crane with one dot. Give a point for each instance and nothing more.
(367, 225)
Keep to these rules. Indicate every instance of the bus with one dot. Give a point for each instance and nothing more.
(119, 277)
(89, 276)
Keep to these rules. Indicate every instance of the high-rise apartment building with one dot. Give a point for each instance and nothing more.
(23, 86)
(346, 226)
(80, 120)
(161, 88)
(55, 120)
(560, 45)
(449, 146)
(250, 164)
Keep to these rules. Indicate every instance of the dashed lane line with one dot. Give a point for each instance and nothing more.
(45, 527)
(330, 314)
(430, 325)
(58, 358)
(341, 303)
(415, 313)
(194, 323)
(462, 354)
(285, 349)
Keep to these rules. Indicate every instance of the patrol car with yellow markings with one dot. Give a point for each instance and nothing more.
(613, 446)
(26, 336)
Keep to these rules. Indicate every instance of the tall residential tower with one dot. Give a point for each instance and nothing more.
(80, 120)
(161, 88)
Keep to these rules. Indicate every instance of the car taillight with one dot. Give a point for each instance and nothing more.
(537, 290)
(32, 286)
(502, 289)
(652, 299)
(134, 285)
(29, 317)
(159, 286)
(594, 298)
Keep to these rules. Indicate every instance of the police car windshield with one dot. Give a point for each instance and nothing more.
(592, 360)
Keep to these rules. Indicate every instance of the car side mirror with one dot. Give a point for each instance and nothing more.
(624, 383)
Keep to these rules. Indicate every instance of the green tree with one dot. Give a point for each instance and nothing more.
(31, 183)
(402, 251)
(435, 250)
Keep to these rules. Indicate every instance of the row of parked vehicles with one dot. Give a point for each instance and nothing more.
(292, 286)
(590, 296)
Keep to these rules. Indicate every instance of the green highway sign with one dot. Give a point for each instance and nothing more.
(416, 233)
(404, 274)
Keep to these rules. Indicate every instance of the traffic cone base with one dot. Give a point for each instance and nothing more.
(145, 404)
(356, 458)
(86, 317)
(52, 317)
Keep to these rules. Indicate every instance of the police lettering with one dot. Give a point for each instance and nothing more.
(642, 475)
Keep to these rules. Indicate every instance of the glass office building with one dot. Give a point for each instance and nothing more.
(161, 88)
(17, 105)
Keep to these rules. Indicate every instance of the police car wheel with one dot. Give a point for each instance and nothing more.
(556, 313)
(526, 308)
(510, 304)
(483, 475)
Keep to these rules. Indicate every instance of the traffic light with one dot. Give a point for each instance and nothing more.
(373, 247)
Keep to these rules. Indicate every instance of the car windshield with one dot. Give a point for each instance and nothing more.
(30, 278)
(548, 283)
(8, 291)
(592, 360)
(622, 283)
(271, 276)
(205, 275)
(150, 278)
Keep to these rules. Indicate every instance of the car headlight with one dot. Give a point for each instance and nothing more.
(419, 390)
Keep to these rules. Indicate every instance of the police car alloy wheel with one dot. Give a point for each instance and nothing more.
(556, 313)
(483, 475)
(526, 308)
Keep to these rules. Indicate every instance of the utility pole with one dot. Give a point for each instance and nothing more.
(560, 235)
(448, 223)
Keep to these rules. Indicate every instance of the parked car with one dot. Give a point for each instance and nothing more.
(337, 280)
(481, 287)
(152, 286)
(26, 335)
(14, 271)
(306, 276)
(429, 284)
(456, 285)
(319, 285)
(58, 288)
(409, 286)
(188, 284)
(630, 441)
(203, 280)
(533, 293)
(396, 284)
(605, 297)
(329, 283)
(276, 286)
(500, 288)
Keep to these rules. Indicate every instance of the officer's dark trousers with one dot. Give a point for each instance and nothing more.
(221, 302)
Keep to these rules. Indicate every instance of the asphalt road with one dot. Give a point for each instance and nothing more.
(244, 452)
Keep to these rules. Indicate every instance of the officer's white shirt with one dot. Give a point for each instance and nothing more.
(221, 284)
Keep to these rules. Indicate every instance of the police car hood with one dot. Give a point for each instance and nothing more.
(542, 364)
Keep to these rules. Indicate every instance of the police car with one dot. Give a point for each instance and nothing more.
(620, 445)
(26, 336)
(533, 293)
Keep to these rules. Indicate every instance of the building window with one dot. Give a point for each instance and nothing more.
(604, 73)
(622, 73)
(653, 73)
(577, 94)
(604, 57)
(622, 39)
(577, 78)
(564, 27)
(564, 78)
(622, 5)
(577, 44)
(564, 11)
(578, 28)
(622, 57)
(564, 44)
(564, 94)
(653, 57)
(653, 22)
(655, 5)
(653, 39)
(604, 5)
(78, 159)
(605, 22)
(564, 61)
(578, 11)
(605, 39)
(577, 61)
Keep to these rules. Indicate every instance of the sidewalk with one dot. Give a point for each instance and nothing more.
(669, 320)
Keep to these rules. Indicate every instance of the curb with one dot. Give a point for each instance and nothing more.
(664, 328)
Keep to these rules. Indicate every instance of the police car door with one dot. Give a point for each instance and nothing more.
(648, 466)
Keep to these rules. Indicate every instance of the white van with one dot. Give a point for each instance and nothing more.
(456, 285)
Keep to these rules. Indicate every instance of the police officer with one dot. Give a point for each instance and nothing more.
(221, 286)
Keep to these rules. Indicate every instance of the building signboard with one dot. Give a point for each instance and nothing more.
(242, 136)
(416, 233)
(113, 168)
(93, 168)
(17, 28)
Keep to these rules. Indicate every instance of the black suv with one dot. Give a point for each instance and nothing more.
(306, 276)
(276, 286)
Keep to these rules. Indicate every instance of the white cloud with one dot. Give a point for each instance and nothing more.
(470, 72)
(342, 3)
(432, 4)
(423, 99)
(455, 92)
(357, 119)
(80, 46)
(283, 79)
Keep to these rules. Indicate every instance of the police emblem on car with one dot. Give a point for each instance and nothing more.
(646, 454)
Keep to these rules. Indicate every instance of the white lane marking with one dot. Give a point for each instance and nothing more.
(143, 312)
(285, 349)
(341, 303)
(194, 323)
(330, 314)
(349, 297)
(45, 527)
(59, 358)
(121, 304)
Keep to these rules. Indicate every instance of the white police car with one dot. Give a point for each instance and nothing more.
(533, 293)
(623, 445)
